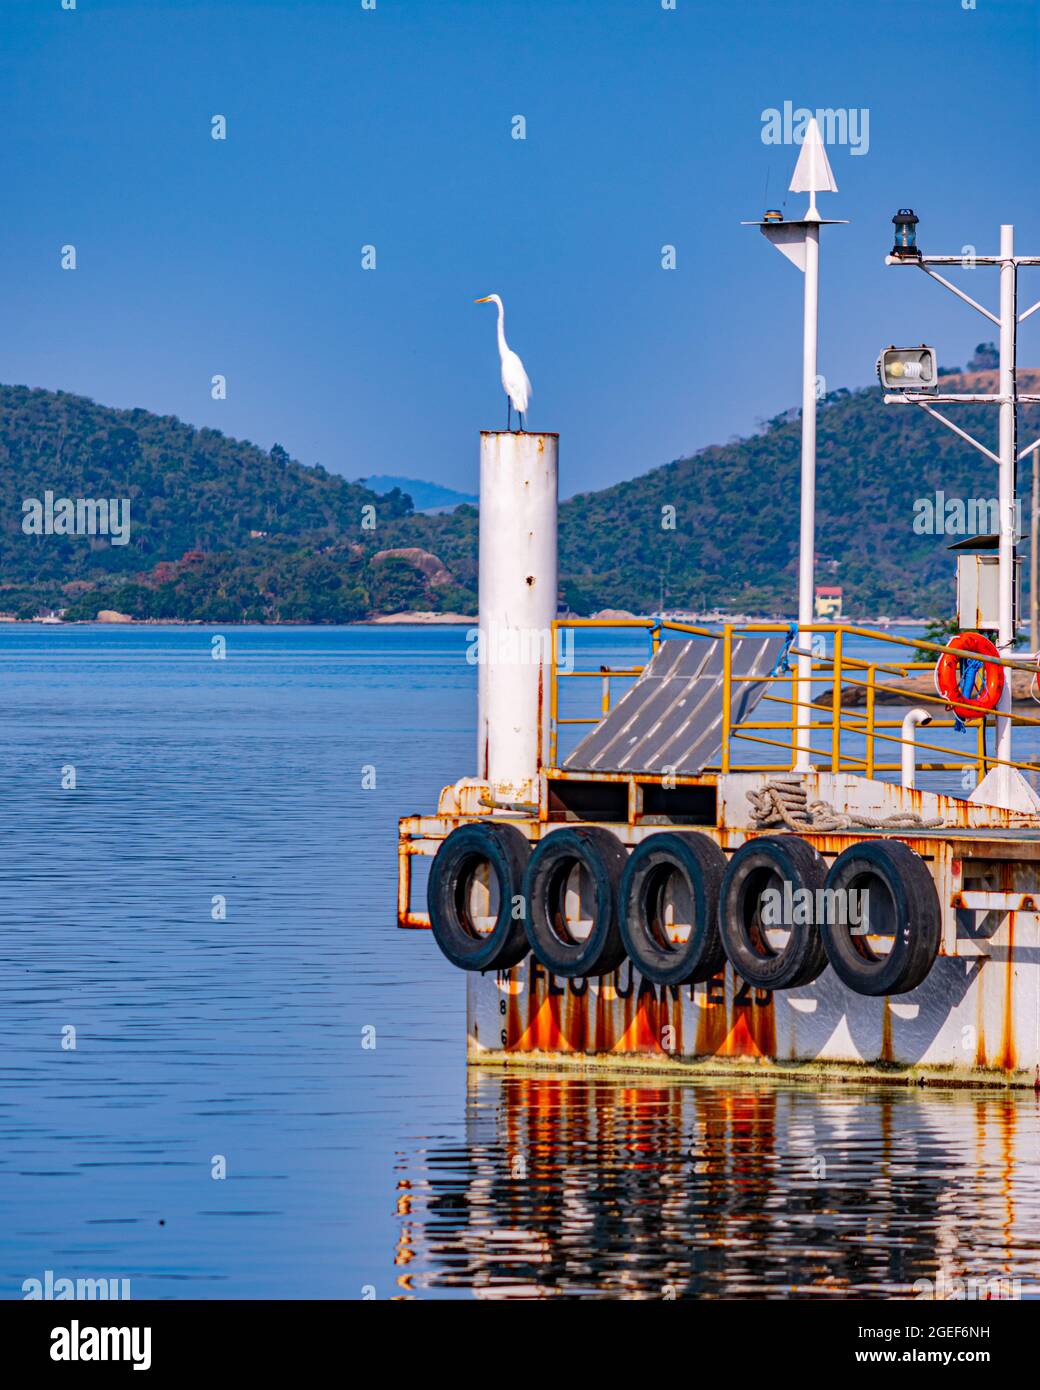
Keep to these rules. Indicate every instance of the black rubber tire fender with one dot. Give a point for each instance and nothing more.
(505, 850)
(906, 902)
(602, 857)
(770, 861)
(701, 864)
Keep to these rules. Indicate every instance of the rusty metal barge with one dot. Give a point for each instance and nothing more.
(973, 1019)
(719, 851)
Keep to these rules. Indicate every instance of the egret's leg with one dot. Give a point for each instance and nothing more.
(521, 414)
(509, 414)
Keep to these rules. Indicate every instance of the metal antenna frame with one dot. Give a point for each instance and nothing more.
(1007, 398)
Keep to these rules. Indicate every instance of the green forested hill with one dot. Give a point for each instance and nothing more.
(190, 489)
(222, 530)
(736, 525)
(242, 516)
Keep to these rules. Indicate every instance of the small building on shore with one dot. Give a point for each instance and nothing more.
(828, 603)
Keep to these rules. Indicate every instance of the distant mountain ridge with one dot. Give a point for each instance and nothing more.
(426, 497)
(221, 530)
(735, 539)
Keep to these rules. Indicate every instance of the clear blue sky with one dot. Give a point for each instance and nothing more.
(393, 127)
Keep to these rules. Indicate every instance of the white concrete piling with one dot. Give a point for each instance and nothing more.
(518, 588)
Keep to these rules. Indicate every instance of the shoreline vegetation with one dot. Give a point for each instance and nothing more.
(218, 530)
(430, 619)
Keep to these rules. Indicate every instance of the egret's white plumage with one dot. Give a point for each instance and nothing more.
(514, 378)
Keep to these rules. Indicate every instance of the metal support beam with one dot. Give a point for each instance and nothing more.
(961, 260)
(1034, 593)
(943, 398)
(1008, 454)
(914, 400)
(959, 293)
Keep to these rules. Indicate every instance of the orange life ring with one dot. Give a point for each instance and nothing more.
(987, 680)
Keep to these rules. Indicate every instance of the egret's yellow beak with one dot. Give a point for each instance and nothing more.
(485, 300)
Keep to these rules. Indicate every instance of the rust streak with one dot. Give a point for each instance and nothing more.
(763, 1025)
(628, 1011)
(576, 1018)
(752, 1031)
(711, 1021)
(1008, 1059)
(980, 1025)
(513, 1027)
(604, 1030)
(676, 1023)
(887, 1053)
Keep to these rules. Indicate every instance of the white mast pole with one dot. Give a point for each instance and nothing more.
(807, 530)
(799, 241)
(818, 175)
(1008, 450)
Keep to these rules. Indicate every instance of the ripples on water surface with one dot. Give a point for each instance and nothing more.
(562, 1186)
(350, 1167)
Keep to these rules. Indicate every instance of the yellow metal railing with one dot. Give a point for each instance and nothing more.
(837, 725)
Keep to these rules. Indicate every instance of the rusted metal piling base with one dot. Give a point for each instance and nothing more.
(969, 1024)
(974, 1021)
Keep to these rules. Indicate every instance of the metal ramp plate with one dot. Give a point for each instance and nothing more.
(671, 718)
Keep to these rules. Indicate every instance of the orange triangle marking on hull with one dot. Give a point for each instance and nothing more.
(544, 1033)
(739, 1041)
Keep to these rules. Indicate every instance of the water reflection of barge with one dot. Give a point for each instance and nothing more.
(564, 1186)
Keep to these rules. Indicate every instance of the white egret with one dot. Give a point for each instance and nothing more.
(514, 378)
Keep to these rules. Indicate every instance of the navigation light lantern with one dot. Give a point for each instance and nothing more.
(906, 235)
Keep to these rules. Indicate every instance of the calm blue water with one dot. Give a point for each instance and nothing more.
(386, 1167)
(195, 1037)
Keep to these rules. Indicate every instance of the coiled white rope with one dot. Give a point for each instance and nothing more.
(785, 801)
